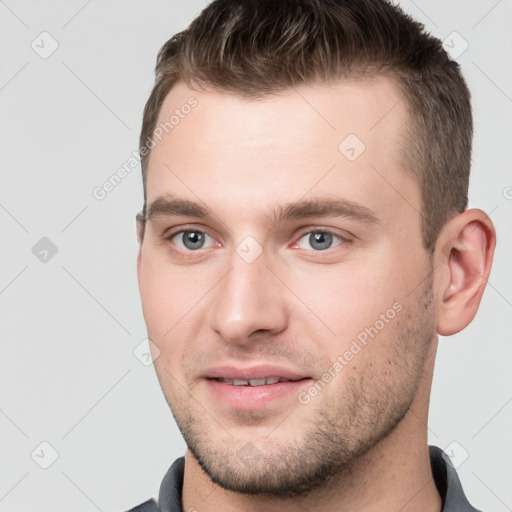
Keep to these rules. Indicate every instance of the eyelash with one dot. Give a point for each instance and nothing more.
(323, 231)
(188, 253)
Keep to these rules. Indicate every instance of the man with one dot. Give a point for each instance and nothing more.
(305, 238)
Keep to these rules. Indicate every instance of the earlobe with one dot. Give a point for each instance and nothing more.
(468, 247)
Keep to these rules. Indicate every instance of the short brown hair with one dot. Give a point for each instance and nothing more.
(254, 48)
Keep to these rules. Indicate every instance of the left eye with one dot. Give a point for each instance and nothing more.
(190, 240)
(320, 240)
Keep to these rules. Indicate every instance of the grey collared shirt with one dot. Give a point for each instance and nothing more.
(445, 477)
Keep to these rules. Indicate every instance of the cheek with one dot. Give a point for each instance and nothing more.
(348, 298)
(155, 297)
(173, 299)
(168, 292)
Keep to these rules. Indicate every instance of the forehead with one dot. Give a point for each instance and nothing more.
(366, 105)
(341, 138)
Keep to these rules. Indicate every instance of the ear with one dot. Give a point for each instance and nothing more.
(464, 252)
(140, 228)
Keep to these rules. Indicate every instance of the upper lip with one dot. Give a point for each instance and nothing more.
(263, 371)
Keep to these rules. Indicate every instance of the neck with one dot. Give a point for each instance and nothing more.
(393, 475)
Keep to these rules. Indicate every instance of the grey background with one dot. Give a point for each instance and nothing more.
(69, 326)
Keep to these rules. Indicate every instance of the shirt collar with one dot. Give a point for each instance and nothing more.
(448, 483)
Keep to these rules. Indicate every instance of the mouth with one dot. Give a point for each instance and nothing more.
(256, 382)
(254, 388)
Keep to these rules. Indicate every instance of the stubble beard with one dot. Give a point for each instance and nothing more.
(341, 428)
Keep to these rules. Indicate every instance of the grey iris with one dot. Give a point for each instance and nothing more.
(192, 239)
(322, 240)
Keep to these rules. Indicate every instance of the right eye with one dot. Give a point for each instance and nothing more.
(189, 240)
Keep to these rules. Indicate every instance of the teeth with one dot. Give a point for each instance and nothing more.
(258, 382)
(253, 382)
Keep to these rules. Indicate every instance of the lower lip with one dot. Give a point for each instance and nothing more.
(254, 397)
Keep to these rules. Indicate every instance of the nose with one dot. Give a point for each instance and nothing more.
(248, 302)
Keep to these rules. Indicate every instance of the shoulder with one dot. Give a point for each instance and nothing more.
(147, 506)
(448, 483)
(169, 499)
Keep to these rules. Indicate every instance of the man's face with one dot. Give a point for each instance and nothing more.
(308, 266)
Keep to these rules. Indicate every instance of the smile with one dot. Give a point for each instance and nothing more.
(254, 382)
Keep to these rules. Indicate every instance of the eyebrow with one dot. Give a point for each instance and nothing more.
(169, 205)
(323, 208)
